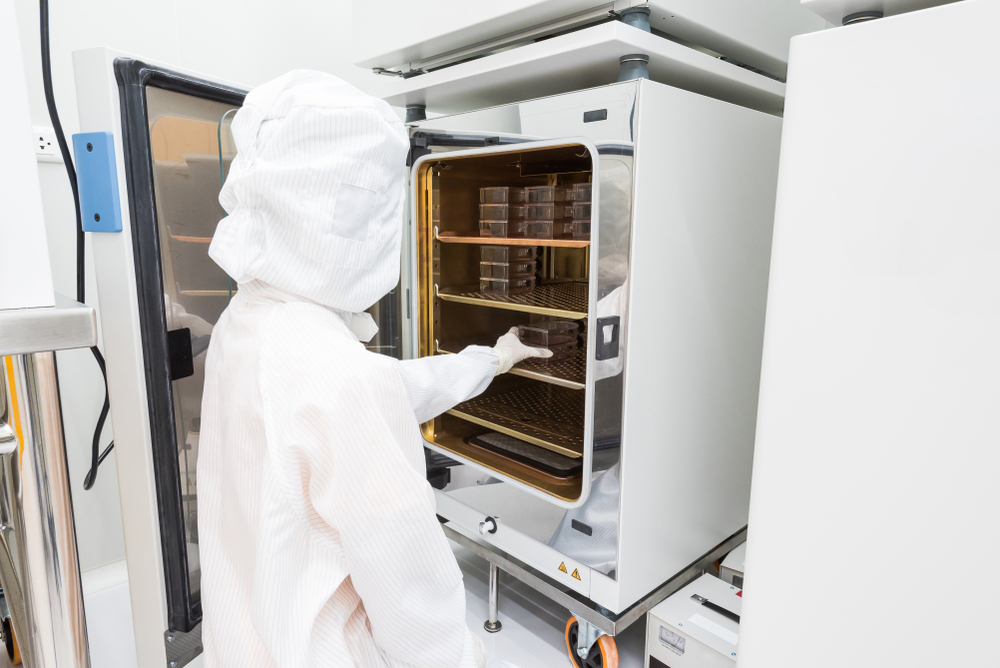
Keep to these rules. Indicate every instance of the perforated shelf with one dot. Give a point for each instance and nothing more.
(456, 238)
(560, 300)
(546, 415)
(570, 373)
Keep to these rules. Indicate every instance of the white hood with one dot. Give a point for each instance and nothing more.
(315, 193)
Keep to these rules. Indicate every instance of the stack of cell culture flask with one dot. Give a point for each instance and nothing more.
(501, 212)
(581, 211)
(507, 270)
(549, 212)
(558, 336)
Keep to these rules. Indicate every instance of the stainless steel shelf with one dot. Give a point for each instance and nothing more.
(559, 300)
(569, 373)
(548, 416)
(456, 238)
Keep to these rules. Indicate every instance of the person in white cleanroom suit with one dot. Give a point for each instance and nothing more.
(319, 542)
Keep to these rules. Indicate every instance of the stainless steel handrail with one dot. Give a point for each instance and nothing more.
(39, 565)
(68, 324)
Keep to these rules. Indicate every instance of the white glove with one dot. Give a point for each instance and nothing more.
(510, 351)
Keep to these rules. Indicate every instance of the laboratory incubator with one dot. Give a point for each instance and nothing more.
(612, 469)
(633, 240)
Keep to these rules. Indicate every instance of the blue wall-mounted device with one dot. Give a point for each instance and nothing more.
(97, 177)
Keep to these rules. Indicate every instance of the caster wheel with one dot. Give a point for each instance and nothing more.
(604, 653)
(11, 642)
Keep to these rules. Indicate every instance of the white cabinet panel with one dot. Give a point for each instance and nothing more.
(876, 455)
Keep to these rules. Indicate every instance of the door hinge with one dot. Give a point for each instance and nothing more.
(182, 648)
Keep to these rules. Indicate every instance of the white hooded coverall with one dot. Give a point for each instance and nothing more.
(319, 542)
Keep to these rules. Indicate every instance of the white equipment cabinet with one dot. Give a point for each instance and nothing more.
(697, 627)
(877, 430)
(679, 255)
(692, 242)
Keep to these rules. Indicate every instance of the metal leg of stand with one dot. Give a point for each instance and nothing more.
(586, 635)
(493, 623)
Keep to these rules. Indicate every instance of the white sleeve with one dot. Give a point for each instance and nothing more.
(439, 383)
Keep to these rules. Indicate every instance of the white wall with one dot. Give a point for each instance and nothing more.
(244, 41)
(25, 275)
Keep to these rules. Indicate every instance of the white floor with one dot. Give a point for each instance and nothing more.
(532, 634)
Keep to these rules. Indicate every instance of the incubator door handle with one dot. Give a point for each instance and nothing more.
(489, 525)
(608, 330)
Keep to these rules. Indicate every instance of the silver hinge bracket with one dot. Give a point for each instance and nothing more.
(182, 648)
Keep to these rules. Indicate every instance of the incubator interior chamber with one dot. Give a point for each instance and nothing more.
(534, 425)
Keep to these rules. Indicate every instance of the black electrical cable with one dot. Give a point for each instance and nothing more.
(107, 451)
(95, 459)
(50, 102)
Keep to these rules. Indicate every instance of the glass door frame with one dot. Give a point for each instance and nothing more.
(422, 284)
(133, 76)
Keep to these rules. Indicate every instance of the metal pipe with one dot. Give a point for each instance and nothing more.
(493, 624)
(637, 17)
(633, 66)
(50, 571)
(415, 112)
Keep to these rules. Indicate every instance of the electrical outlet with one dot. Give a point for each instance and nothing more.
(46, 146)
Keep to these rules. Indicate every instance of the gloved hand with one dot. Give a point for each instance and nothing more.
(510, 351)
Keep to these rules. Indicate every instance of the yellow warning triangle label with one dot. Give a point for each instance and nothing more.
(562, 567)
(576, 573)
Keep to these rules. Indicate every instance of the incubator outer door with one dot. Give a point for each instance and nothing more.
(533, 427)
(177, 152)
(424, 142)
(176, 156)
